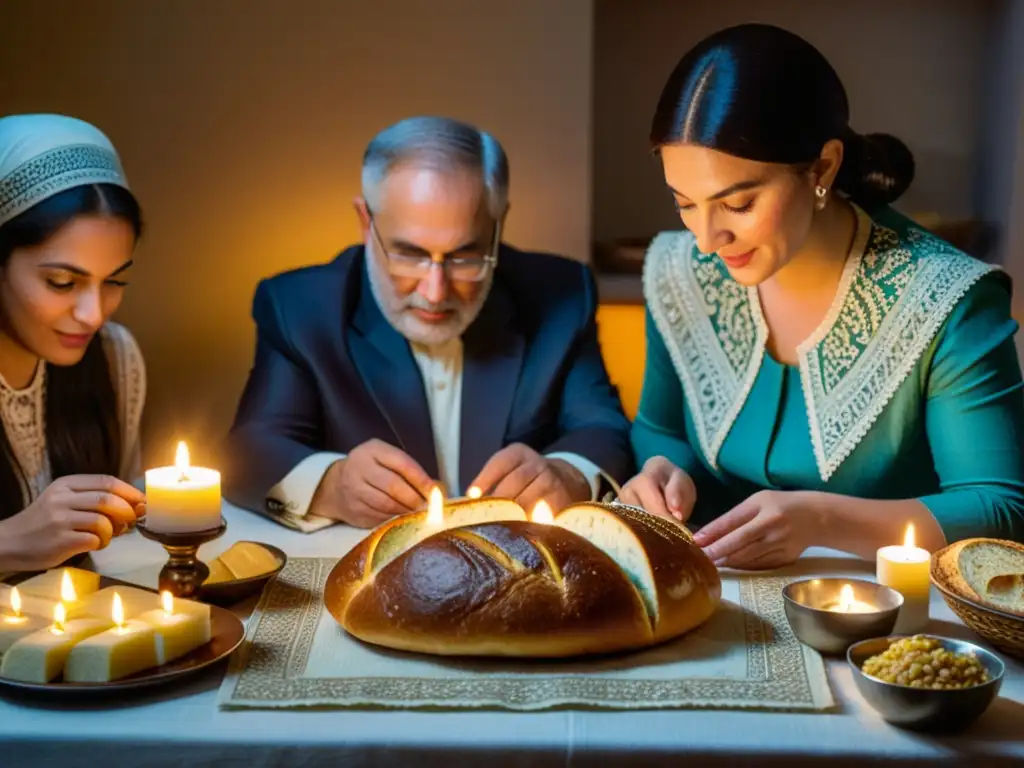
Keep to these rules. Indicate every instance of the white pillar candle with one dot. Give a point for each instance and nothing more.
(182, 498)
(907, 569)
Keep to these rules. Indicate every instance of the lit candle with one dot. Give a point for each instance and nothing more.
(907, 569)
(67, 589)
(474, 492)
(59, 619)
(182, 498)
(117, 614)
(15, 617)
(66, 585)
(39, 656)
(177, 633)
(847, 603)
(17, 625)
(32, 603)
(542, 513)
(127, 648)
(435, 508)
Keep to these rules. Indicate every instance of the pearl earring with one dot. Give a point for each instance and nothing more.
(822, 194)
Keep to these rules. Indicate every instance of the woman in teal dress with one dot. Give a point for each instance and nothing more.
(820, 370)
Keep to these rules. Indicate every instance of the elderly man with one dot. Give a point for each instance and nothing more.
(432, 354)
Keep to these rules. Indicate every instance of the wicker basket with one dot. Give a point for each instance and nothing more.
(1002, 630)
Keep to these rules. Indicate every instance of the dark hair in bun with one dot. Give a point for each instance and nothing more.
(762, 93)
(877, 168)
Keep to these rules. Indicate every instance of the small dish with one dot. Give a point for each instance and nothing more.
(926, 708)
(809, 606)
(233, 591)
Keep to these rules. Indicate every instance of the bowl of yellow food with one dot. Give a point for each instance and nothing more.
(241, 571)
(925, 682)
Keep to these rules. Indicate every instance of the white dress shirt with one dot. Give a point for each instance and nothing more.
(441, 369)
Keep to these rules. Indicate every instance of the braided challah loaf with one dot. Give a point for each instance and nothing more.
(600, 578)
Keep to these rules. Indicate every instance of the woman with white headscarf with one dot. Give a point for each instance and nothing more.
(72, 384)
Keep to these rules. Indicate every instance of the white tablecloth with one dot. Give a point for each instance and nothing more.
(181, 725)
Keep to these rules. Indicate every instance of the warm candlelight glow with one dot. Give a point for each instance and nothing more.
(474, 492)
(181, 462)
(845, 598)
(908, 552)
(542, 513)
(60, 616)
(15, 617)
(168, 601)
(435, 508)
(848, 602)
(67, 589)
(117, 612)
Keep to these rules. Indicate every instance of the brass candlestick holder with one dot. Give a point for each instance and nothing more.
(184, 573)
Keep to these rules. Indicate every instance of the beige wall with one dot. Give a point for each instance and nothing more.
(913, 68)
(242, 123)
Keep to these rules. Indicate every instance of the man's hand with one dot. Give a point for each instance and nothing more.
(518, 472)
(661, 488)
(375, 482)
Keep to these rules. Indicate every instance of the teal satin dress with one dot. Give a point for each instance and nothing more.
(910, 389)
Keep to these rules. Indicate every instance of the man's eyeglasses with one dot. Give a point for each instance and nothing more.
(471, 268)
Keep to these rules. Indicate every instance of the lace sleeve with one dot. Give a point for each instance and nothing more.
(128, 372)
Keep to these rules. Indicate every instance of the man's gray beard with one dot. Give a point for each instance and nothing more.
(394, 307)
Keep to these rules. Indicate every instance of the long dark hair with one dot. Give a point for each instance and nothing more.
(82, 426)
(761, 93)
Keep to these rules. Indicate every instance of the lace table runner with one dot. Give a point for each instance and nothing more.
(744, 657)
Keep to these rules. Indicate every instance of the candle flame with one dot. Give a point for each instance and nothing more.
(846, 598)
(117, 611)
(16, 601)
(168, 601)
(542, 513)
(908, 538)
(181, 459)
(60, 616)
(474, 492)
(67, 589)
(435, 508)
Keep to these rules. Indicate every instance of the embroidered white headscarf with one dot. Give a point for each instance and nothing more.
(42, 155)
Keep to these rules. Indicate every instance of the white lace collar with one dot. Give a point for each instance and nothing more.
(898, 286)
(36, 383)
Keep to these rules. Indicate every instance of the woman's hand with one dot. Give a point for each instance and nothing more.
(768, 530)
(75, 514)
(662, 489)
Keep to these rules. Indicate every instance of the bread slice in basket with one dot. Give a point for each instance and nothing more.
(600, 578)
(986, 571)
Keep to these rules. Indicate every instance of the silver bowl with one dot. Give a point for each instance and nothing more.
(925, 708)
(829, 631)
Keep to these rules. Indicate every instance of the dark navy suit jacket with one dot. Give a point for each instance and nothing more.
(330, 373)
